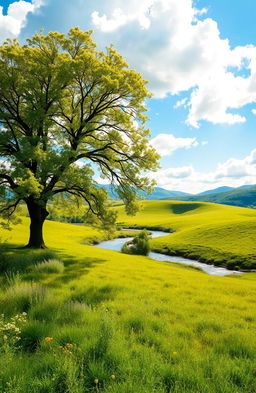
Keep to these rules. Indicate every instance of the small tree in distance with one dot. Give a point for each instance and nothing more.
(66, 109)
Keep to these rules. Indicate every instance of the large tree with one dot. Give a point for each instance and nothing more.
(66, 110)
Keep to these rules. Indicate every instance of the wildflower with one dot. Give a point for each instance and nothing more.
(48, 339)
(175, 353)
(113, 376)
(69, 345)
(96, 381)
(60, 347)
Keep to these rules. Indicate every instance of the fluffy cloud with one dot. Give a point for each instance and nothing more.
(178, 49)
(172, 43)
(166, 144)
(233, 172)
(12, 23)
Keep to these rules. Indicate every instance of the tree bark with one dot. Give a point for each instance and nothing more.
(37, 213)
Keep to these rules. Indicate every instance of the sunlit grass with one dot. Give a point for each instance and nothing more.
(223, 235)
(154, 326)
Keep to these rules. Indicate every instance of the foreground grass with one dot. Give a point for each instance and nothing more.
(223, 235)
(118, 323)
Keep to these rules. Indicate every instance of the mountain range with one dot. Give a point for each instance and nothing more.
(244, 196)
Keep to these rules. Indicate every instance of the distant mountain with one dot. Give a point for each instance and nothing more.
(216, 190)
(244, 196)
(159, 193)
(162, 193)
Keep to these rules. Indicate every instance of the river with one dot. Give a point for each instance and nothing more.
(117, 244)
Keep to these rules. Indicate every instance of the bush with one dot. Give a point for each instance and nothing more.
(139, 245)
(50, 266)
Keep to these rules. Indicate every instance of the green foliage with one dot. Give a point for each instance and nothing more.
(139, 245)
(65, 107)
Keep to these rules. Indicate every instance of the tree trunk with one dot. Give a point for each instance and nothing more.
(37, 213)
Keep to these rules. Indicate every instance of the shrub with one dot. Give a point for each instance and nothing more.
(50, 266)
(139, 245)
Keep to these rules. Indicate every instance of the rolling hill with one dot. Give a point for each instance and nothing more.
(244, 197)
(211, 233)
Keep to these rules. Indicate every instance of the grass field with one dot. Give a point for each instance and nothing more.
(110, 322)
(218, 234)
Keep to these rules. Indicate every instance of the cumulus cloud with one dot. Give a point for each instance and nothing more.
(175, 45)
(12, 23)
(178, 49)
(166, 144)
(233, 173)
(120, 18)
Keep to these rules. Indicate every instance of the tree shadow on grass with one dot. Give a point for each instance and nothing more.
(75, 268)
(16, 259)
(181, 208)
(94, 295)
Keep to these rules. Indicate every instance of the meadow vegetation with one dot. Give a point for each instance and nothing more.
(211, 233)
(139, 245)
(80, 319)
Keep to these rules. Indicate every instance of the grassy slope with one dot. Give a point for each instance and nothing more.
(157, 327)
(237, 197)
(223, 235)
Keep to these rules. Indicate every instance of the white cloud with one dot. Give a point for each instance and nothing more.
(12, 23)
(233, 173)
(179, 49)
(119, 18)
(180, 103)
(166, 144)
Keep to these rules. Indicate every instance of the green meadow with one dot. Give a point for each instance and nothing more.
(79, 319)
(218, 234)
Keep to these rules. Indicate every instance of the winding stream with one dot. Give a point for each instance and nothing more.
(117, 244)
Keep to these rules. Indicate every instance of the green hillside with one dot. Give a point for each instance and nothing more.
(244, 197)
(109, 322)
(218, 234)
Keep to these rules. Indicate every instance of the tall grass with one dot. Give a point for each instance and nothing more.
(50, 266)
(113, 322)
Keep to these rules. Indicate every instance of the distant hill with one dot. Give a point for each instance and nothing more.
(243, 196)
(216, 190)
(159, 193)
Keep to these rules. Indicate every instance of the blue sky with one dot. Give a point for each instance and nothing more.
(200, 59)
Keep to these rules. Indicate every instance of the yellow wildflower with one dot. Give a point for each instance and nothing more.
(48, 339)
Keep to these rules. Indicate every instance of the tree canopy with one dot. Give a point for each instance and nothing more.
(68, 110)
